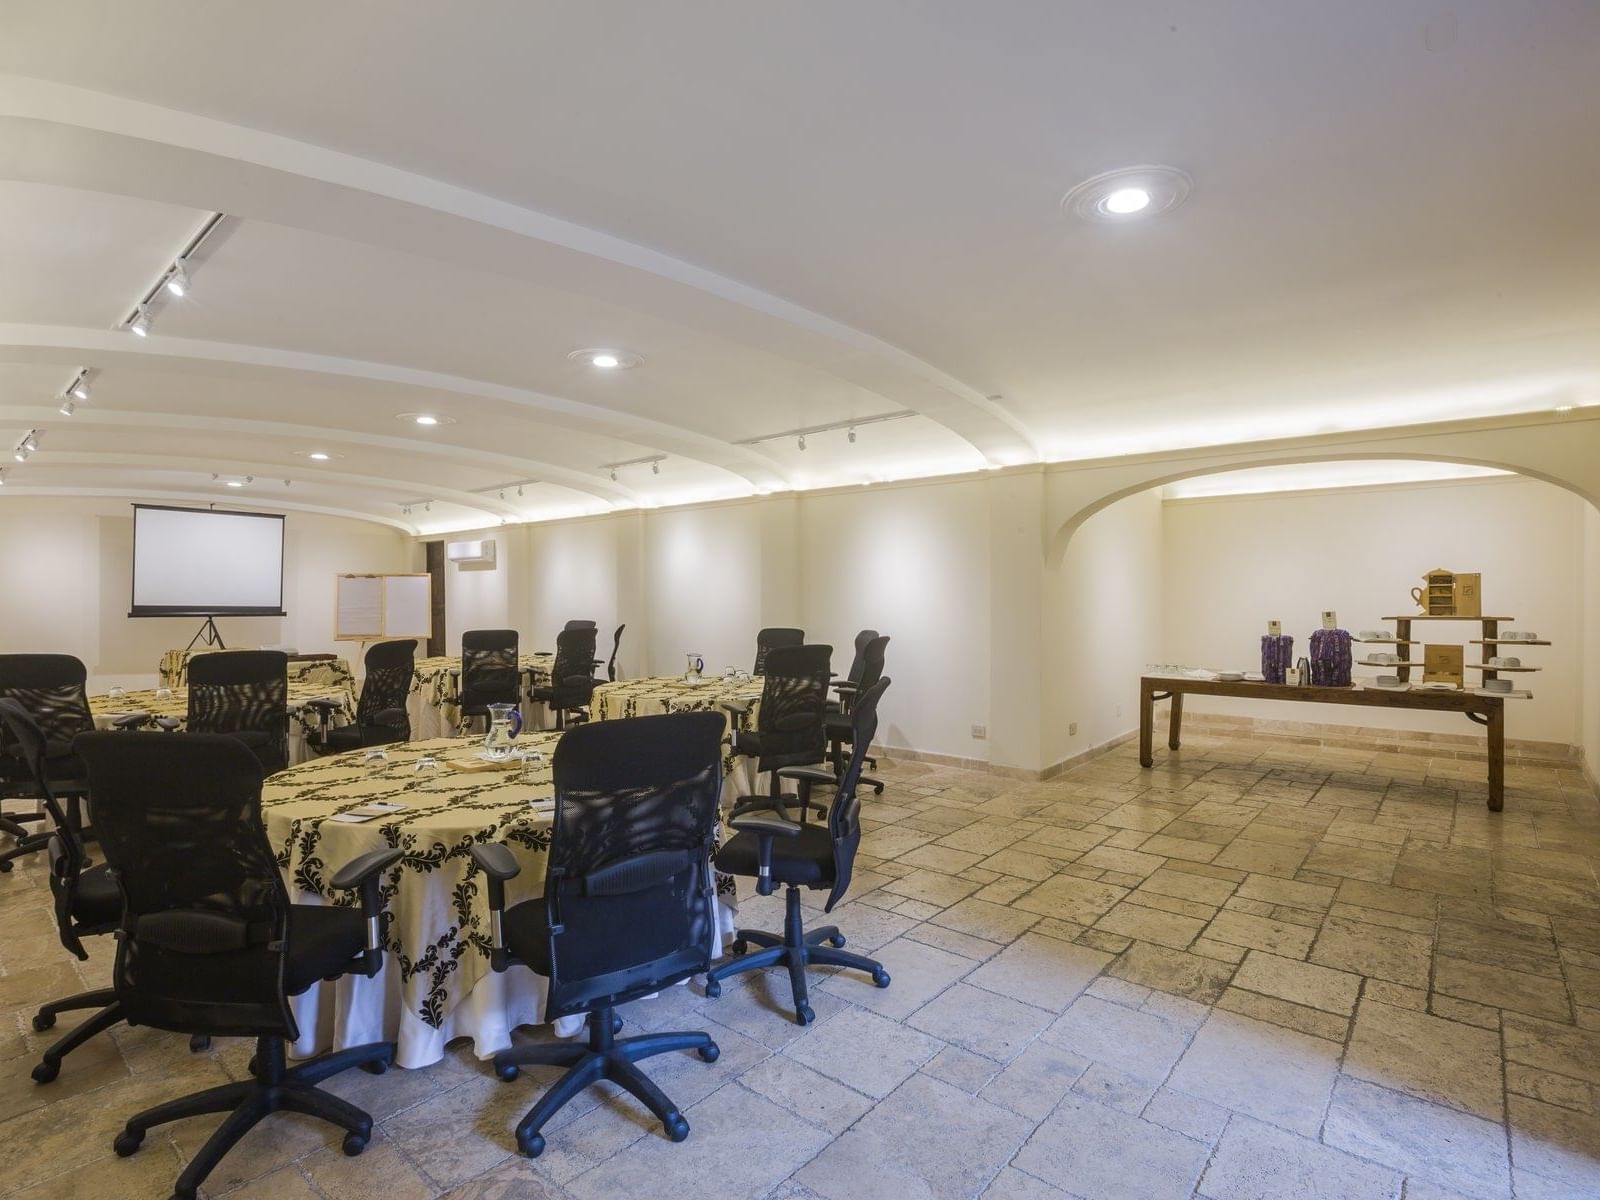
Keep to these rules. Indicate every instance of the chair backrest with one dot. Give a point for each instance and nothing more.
(794, 698)
(844, 817)
(872, 656)
(629, 882)
(770, 639)
(243, 692)
(616, 644)
(489, 670)
(25, 739)
(863, 639)
(205, 921)
(572, 674)
(51, 687)
(390, 672)
(580, 625)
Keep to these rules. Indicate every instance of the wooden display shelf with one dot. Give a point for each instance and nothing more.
(1432, 617)
(1509, 642)
(1395, 642)
(1369, 662)
(1491, 667)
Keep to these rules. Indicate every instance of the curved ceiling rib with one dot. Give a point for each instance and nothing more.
(190, 496)
(101, 418)
(108, 346)
(274, 160)
(268, 471)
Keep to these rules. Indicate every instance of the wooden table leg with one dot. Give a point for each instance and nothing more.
(1147, 720)
(1175, 725)
(1497, 758)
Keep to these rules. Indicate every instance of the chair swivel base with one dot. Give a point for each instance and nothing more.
(795, 949)
(110, 1014)
(605, 1057)
(275, 1088)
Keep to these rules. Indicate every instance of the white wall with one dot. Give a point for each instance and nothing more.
(68, 565)
(1589, 658)
(1103, 623)
(1231, 564)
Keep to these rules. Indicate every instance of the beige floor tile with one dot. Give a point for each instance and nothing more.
(1139, 1043)
(917, 973)
(1428, 1057)
(1501, 987)
(1071, 899)
(1044, 972)
(1261, 933)
(980, 1021)
(864, 1051)
(1087, 1149)
(810, 1095)
(1151, 925)
(1176, 971)
(1299, 982)
(1255, 1160)
(1374, 950)
(1274, 1074)
(1034, 1082)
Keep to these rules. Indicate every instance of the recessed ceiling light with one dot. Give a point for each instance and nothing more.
(420, 418)
(319, 456)
(234, 482)
(606, 359)
(1127, 193)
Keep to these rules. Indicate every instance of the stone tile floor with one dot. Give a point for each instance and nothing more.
(1262, 969)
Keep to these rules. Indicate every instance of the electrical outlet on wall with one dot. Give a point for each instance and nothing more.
(980, 731)
(1072, 730)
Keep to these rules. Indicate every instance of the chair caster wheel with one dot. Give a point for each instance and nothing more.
(532, 1146)
(5, 867)
(198, 1043)
(710, 1053)
(127, 1143)
(804, 1015)
(616, 1024)
(377, 1066)
(508, 1072)
(43, 1021)
(713, 988)
(354, 1144)
(837, 941)
(740, 946)
(881, 978)
(677, 1128)
(46, 1071)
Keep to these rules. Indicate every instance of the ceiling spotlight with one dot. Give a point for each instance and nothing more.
(319, 455)
(655, 467)
(178, 281)
(2, 477)
(852, 435)
(21, 452)
(428, 507)
(1128, 192)
(613, 474)
(1126, 201)
(67, 406)
(502, 493)
(80, 389)
(140, 323)
(519, 489)
(405, 509)
(606, 359)
(802, 441)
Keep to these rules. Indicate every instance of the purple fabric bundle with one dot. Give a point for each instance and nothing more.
(1277, 652)
(1330, 658)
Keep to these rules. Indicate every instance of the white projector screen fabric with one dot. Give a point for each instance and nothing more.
(194, 562)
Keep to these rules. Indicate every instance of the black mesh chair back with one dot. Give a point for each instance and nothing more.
(629, 885)
(770, 639)
(580, 625)
(244, 693)
(572, 674)
(844, 817)
(390, 668)
(872, 659)
(52, 688)
(863, 639)
(204, 927)
(794, 695)
(489, 670)
(25, 738)
(616, 644)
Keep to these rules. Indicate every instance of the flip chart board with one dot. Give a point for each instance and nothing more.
(369, 607)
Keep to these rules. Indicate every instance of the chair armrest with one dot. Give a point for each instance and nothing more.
(810, 774)
(323, 705)
(846, 685)
(133, 720)
(389, 716)
(168, 723)
(498, 864)
(738, 708)
(766, 830)
(362, 874)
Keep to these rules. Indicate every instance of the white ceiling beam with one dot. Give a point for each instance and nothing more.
(186, 496)
(963, 409)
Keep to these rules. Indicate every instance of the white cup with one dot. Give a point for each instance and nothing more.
(1509, 661)
(1497, 685)
(1374, 635)
(1388, 681)
(1385, 658)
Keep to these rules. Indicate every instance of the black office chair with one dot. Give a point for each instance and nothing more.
(629, 904)
(86, 898)
(381, 716)
(770, 639)
(580, 625)
(490, 673)
(838, 726)
(51, 687)
(245, 694)
(776, 850)
(571, 685)
(616, 644)
(789, 730)
(210, 943)
(853, 678)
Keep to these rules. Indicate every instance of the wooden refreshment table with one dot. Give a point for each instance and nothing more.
(1488, 711)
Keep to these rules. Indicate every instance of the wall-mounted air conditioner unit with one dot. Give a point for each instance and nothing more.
(471, 552)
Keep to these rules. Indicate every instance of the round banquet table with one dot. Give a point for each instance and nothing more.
(673, 693)
(105, 709)
(173, 671)
(432, 704)
(436, 984)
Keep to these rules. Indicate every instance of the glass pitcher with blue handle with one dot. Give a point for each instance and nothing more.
(505, 722)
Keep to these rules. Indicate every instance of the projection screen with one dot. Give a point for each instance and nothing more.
(196, 562)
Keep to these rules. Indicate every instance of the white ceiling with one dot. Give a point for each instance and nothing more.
(798, 214)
